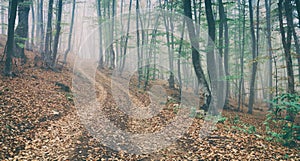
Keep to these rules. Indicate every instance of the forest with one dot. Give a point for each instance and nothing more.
(149, 80)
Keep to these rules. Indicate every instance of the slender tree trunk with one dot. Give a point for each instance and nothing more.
(127, 37)
(242, 50)
(167, 27)
(298, 10)
(296, 40)
(138, 44)
(269, 42)
(38, 29)
(100, 33)
(10, 37)
(211, 60)
(71, 32)
(179, 57)
(223, 22)
(254, 56)
(41, 27)
(48, 42)
(286, 41)
(195, 54)
(151, 52)
(32, 26)
(172, 78)
(2, 17)
(57, 28)
(112, 52)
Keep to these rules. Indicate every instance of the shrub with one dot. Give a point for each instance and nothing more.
(280, 121)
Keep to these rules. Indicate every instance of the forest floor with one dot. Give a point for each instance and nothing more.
(39, 121)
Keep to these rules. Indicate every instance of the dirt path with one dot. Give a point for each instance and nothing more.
(66, 138)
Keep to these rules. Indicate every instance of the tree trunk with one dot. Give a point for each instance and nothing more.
(211, 60)
(21, 33)
(47, 58)
(100, 33)
(112, 52)
(298, 10)
(10, 37)
(296, 40)
(167, 22)
(195, 54)
(241, 49)
(179, 57)
(254, 56)
(286, 41)
(32, 26)
(56, 37)
(269, 41)
(71, 32)
(2, 18)
(41, 27)
(138, 45)
(223, 22)
(127, 37)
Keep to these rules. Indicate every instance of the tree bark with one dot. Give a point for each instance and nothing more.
(56, 37)
(2, 18)
(223, 23)
(99, 14)
(41, 27)
(298, 10)
(296, 40)
(254, 56)
(269, 41)
(32, 26)
(127, 37)
(47, 58)
(138, 45)
(112, 52)
(241, 49)
(71, 32)
(21, 33)
(195, 54)
(211, 60)
(10, 38)
(286, 41)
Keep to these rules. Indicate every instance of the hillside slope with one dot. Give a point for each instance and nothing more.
(39, 121)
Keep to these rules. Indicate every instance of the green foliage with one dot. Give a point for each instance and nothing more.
(235, 120)
(222, 119)
(280, 121)
(243, 127)
(198, 114)
(176, 109)
(193, 112)
(246, 128)
(69, 97)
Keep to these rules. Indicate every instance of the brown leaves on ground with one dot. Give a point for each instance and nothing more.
(39, 122)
